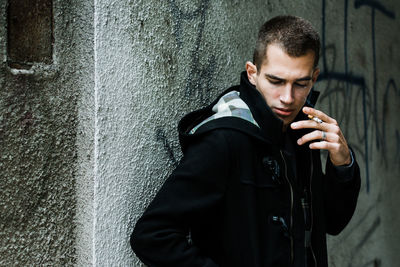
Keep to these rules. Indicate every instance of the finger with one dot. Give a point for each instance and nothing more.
(319, 114)
(324, 126)
(324, 145)
(315, 135)
(307, 124)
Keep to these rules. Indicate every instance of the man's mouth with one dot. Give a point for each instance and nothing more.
(283, 112)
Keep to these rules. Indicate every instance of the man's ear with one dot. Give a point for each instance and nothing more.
(315, 75)
(251, 70)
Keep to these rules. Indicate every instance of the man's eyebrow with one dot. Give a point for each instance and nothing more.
(274, 77)
(307, 78)
(270, 76)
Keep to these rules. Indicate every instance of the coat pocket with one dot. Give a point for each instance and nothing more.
(267, 173)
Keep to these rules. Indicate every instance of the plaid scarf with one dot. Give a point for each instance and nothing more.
(229, 105)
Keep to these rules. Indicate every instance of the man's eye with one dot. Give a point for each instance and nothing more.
(276, 82)
(301, 84)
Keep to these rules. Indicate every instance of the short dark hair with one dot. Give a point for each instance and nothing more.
(295, 35)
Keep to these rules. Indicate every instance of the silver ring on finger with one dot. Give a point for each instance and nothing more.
(323, 135)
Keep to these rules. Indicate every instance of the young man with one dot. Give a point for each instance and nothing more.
(250, 190)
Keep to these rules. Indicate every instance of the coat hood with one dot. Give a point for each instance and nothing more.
(240, 108)
(229, 105)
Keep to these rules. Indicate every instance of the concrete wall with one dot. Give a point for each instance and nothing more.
(43, 110)
(101, 137)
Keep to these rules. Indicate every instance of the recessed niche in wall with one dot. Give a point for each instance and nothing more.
(30, 33)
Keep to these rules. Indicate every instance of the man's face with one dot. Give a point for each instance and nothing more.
(284, 81)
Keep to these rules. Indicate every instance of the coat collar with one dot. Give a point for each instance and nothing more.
(270, 124)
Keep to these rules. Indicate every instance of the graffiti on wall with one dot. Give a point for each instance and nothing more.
(354, 88)
(199, 78)
(355, 92)
(161, 137)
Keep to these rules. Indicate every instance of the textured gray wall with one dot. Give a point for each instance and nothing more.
(360, 87)
(41, 122)
(102, 138)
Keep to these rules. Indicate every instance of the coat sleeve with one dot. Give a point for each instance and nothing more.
(193, 190)
(341, 191)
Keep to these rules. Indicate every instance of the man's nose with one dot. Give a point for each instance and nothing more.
(287, 94)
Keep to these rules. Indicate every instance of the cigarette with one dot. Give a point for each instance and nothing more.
(316, 119)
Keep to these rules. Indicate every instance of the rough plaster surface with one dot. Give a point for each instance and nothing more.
(38, 137)
(102, 135)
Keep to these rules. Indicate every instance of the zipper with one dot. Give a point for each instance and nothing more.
(311, 210)
(291, 210)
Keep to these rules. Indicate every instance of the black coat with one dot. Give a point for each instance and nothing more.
(235, 198)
